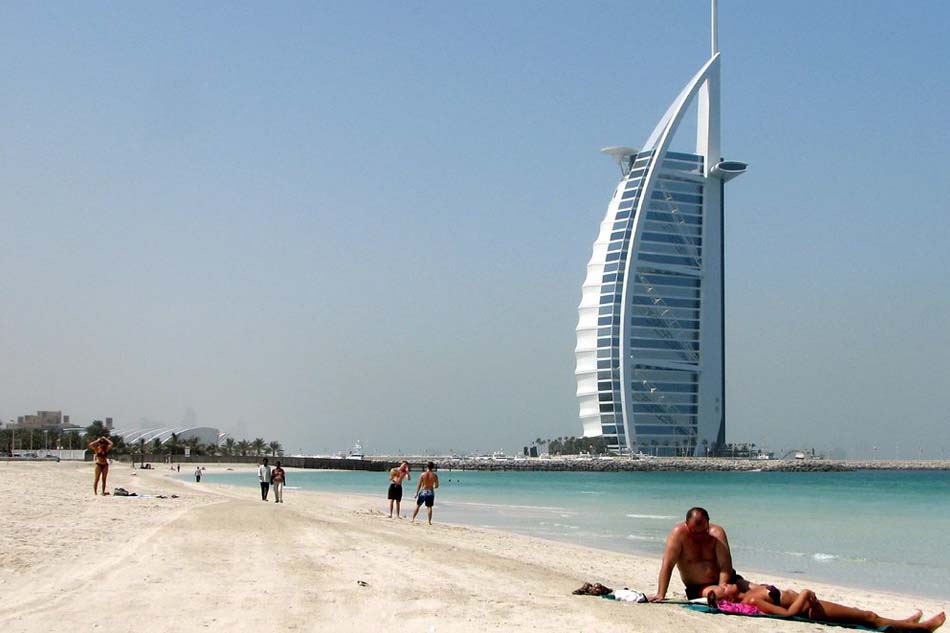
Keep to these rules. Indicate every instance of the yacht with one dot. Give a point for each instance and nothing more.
(356, 452)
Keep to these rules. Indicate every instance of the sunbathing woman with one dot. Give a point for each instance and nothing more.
(769, 600)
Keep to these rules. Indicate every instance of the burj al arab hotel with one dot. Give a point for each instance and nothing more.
(650, 345)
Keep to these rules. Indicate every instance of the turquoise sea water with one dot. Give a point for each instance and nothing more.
(882, 530)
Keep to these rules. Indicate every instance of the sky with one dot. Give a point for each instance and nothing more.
(324, 222)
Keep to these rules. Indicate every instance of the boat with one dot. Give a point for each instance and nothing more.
(356, 452)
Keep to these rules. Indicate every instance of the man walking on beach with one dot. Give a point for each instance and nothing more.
(425, 491)
(700, 550)
(396, 475)
(264, 474)
(100, 448)
(198, 474)
(278, 478)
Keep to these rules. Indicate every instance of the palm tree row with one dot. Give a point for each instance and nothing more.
(682, 447)
(36, 440)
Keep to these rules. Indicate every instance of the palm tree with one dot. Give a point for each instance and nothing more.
(95, 430)
(258, 445)
(275, 448)
(228, 446)
(173, 443)
(194, 445)
(243, 447)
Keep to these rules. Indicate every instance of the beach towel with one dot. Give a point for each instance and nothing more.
(702, 608)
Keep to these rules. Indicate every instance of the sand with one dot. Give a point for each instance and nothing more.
(219, 559)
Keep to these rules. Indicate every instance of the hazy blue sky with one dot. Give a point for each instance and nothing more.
(330, 221)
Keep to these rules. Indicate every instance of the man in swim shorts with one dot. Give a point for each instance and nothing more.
(396, 475)
(700, 550)
(425, 491)
(100, 448)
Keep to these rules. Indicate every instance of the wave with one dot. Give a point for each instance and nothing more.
(822, 557)
(637, 537)
(659, 517)
(560, 525)
(505, 505)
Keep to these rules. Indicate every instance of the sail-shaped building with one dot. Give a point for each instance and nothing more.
(650, 345)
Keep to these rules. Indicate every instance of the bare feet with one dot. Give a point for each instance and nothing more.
(935, 622)
(916, 617)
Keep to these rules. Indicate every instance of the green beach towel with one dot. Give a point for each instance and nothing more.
(702, 608)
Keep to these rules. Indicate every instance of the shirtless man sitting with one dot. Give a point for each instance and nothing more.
(700, 550)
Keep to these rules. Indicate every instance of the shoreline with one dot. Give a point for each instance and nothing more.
(551, 464)
(217, 558)
(378, 503)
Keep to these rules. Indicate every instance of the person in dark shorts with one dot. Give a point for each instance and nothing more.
(425, 491)
(396, 475)
(700, 550)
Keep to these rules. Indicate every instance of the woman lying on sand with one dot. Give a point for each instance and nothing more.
(768, 599)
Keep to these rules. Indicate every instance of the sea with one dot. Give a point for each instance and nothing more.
(885, 530)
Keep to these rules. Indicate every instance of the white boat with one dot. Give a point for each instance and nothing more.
(356, 452)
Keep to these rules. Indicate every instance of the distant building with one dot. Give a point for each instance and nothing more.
(42, 420)
(650, 346)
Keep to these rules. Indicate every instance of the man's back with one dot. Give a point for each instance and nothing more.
(429, 480)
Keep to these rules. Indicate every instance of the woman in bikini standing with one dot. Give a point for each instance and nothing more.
(100, 448)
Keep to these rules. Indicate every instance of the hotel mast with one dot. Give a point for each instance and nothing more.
(650, 349)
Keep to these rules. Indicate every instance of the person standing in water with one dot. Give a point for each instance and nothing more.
(425, 491)
(100, 448)
(198, 474)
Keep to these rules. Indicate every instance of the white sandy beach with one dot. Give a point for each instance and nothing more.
(218, 558)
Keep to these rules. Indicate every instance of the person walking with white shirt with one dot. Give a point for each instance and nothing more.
(264, 474)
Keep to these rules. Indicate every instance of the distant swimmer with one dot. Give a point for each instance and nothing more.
(100, 448)
(700, 550)
(396, 475)
(425, 491)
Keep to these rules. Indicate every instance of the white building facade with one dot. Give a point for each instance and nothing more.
(650, 346)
